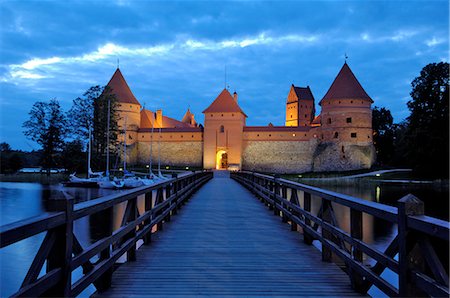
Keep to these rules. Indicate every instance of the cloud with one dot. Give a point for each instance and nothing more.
(434, 42)
(33, 68)
(396, 36)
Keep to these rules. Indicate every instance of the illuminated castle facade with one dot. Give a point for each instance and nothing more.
(339, 138)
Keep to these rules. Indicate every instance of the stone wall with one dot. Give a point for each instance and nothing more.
(330, 156)
(278, 156)
(187, 153)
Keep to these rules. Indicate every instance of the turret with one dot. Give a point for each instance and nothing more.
(346, 114)
(300, 110)
(128, 107)
(223, 133)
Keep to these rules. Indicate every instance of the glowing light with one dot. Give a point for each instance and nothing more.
(377, 193)
(300, 176)
(147, 166)
(120, 169)
(293, 134)
(378, 175)
(167, 167)
(187, 168)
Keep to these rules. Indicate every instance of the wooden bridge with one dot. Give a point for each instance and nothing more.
(226, 242)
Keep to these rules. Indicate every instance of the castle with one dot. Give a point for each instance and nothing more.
(338, 139)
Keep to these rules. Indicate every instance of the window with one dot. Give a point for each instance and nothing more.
(306, 115)
(353, 135)
(291, 115)
(351, 101)
(336, 134)
(222, 115)
(349, 120)
(329, 120)
(222, 129)
(270, 135)
(293, 134)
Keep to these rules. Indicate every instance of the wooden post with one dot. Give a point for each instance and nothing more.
(356, 231)
(294, 201)
(284, 196)
(148, 207)
(274, 195)
(327, 255)
(131, 253)
(60, 255)
(175, 189)
(104, 281)
(408, 205)
(307, 207)
(168, 194)
(159, 200)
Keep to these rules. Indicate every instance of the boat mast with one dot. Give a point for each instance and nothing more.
(125, 146)
(151, 149)
(89, 154)
(107, 138)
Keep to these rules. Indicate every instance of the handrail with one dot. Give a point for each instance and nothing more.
(63, 253)
(419, 273)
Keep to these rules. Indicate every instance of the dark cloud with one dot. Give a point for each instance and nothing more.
(173, 54)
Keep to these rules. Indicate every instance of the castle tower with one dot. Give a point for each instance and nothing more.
(189, 118)
(300, 110)
(128, 108)
(223, 133)
(346, 110)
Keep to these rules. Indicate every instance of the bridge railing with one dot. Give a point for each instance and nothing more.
(420, 269)
(62, 253)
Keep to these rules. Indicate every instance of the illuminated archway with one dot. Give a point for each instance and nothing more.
(221, 160)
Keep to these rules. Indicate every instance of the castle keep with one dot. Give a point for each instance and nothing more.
(338, 139)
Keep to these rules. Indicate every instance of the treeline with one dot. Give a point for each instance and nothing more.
(421, 141)
(64, 136)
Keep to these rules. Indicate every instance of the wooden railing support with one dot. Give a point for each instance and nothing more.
(60, 255)
(356, 231)
(104, 281)
(147, 207)
(307, 238)
(408, 205)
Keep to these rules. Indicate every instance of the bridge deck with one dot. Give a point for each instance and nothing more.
(225, 242)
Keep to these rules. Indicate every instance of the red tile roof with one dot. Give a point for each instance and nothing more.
(120, 88)
(148, 117)
(346, 86)
(303, 93)
(224, 103)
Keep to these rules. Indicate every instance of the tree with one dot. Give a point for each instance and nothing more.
(81, 114)
(72, 157)
(100, 124)
(428, 125)
(383, 139)
(91, 111)
(5, 147)
(47, 126)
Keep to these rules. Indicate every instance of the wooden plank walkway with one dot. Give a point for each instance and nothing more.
(224, 242)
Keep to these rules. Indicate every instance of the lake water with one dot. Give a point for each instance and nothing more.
(23, 200)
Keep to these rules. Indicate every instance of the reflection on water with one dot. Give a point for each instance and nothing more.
(24, 200)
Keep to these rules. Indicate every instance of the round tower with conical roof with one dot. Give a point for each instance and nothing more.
(346, 110)
(129, 108)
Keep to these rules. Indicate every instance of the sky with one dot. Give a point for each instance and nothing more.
(175, 54)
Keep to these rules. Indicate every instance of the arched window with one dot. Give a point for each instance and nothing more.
(329, 120)
(336, 135)
(222, 129)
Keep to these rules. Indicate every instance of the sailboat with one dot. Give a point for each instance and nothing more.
(106, 182)
(92, 177)
(130, 180)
